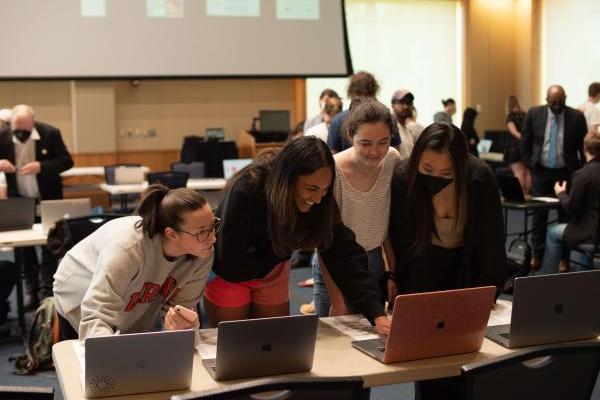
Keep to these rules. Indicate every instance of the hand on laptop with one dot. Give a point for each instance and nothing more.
(382, 325)
(179, 320)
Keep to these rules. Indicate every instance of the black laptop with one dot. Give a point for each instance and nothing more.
(511, 191)
(17, 213)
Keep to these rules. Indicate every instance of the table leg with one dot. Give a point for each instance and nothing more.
(18, 253)
(123, 203)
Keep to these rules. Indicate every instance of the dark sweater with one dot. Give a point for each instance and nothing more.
(582, 204)
(482, 259)
(244, 250)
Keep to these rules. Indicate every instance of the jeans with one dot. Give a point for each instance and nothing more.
(553, 254)
(322, 303)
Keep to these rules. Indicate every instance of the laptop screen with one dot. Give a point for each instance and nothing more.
(275, 121)
(231, 167)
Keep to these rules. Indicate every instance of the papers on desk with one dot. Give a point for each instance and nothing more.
(501, 313)
(545, 199)
(208, 343)
(356, 326)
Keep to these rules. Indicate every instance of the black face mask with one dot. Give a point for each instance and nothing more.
(557, 108)
(22, 135)
(433, 184)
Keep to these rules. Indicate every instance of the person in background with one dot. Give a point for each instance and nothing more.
(446, 114)
(5, 117)
(552, 148)
(446, 225)
(590, 107)
(317, 119)
(361, 85)
(133, 270)
(272, 208)
(512, 151)
(468, 128)
(332, 107)
(581, 204)
(363, 181)
(32, 155)
(404, 113)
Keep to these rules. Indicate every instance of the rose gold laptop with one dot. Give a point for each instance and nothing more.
(434, 324)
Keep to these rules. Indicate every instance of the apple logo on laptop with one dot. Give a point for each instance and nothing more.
(267, 347)
(440, 325)
(559, 308)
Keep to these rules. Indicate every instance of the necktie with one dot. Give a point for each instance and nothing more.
(553, 150)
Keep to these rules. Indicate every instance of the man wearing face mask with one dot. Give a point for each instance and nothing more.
(404, 113)
(32, 155)
(552, 147)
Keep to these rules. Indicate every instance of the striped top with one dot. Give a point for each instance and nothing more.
(367, 213)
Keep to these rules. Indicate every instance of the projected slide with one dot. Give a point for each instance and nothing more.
(93, 8)
(233, 8)
(164, 8)
(298, 9)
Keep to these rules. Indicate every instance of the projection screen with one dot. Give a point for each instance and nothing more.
(68, 39)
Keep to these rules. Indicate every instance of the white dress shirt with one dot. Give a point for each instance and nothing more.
(25, 153)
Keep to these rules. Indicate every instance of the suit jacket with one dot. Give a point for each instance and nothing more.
(582, 204)
(52, 154)
(483, 257)
(534, 128)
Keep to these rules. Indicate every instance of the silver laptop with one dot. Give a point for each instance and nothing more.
(138, 363)
(265, 346)
(129, 175)
(17, 213)
(231, 167)
(53, 210)
(551, 308)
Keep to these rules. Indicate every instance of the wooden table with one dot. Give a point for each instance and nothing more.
(90, 171)
(15, 240)
(334, 357)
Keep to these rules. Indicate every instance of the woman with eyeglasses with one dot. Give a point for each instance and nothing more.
(278, 204)
(133, 270)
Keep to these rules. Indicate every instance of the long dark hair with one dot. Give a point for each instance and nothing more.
(438, 137)
(289, 229)
(161, 207)
(366, 111)
(468, 121)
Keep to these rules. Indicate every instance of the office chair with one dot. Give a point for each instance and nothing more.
(287, 388)
(558, 371)
(26, 393)
(131, 199)
(195, 169)
(171, 179)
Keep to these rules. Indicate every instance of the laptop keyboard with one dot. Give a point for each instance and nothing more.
(505, 335)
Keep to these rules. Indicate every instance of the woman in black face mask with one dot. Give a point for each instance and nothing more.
(446, 224)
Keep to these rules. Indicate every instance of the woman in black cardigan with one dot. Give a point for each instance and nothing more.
(446, 224)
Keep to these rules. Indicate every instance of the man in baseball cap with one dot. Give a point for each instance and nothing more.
(405, 113)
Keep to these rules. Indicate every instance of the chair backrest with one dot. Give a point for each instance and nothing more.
(563, 371)
(213, 153)
(350, 388)
(109, 171)
(26, 393)
(195, 169)
(171, 179)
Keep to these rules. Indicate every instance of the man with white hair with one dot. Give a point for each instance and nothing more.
(32, 156)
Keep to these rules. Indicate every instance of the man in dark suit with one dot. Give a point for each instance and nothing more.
(32, 155)
(552, 146)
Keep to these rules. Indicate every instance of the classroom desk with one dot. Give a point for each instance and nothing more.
(90, 171)
(196, 184)
(528, 208)
(334, 357)
(16, 240)
(492, 157)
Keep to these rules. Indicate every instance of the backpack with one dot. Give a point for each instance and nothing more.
(43, 333)
(518, 263)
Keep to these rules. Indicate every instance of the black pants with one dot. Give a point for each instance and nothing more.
(39, 276)
(8, 278)
(65, 330)
(438, 389)
(542, 184)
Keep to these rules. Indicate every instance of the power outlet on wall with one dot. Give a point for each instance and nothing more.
(151, 133)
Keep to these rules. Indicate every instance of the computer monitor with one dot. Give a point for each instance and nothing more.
(215, 133)
(274, 126)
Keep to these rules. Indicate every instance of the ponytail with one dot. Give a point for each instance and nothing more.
(161, 208)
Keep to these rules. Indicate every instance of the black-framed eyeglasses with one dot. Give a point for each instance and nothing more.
(205, 234)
